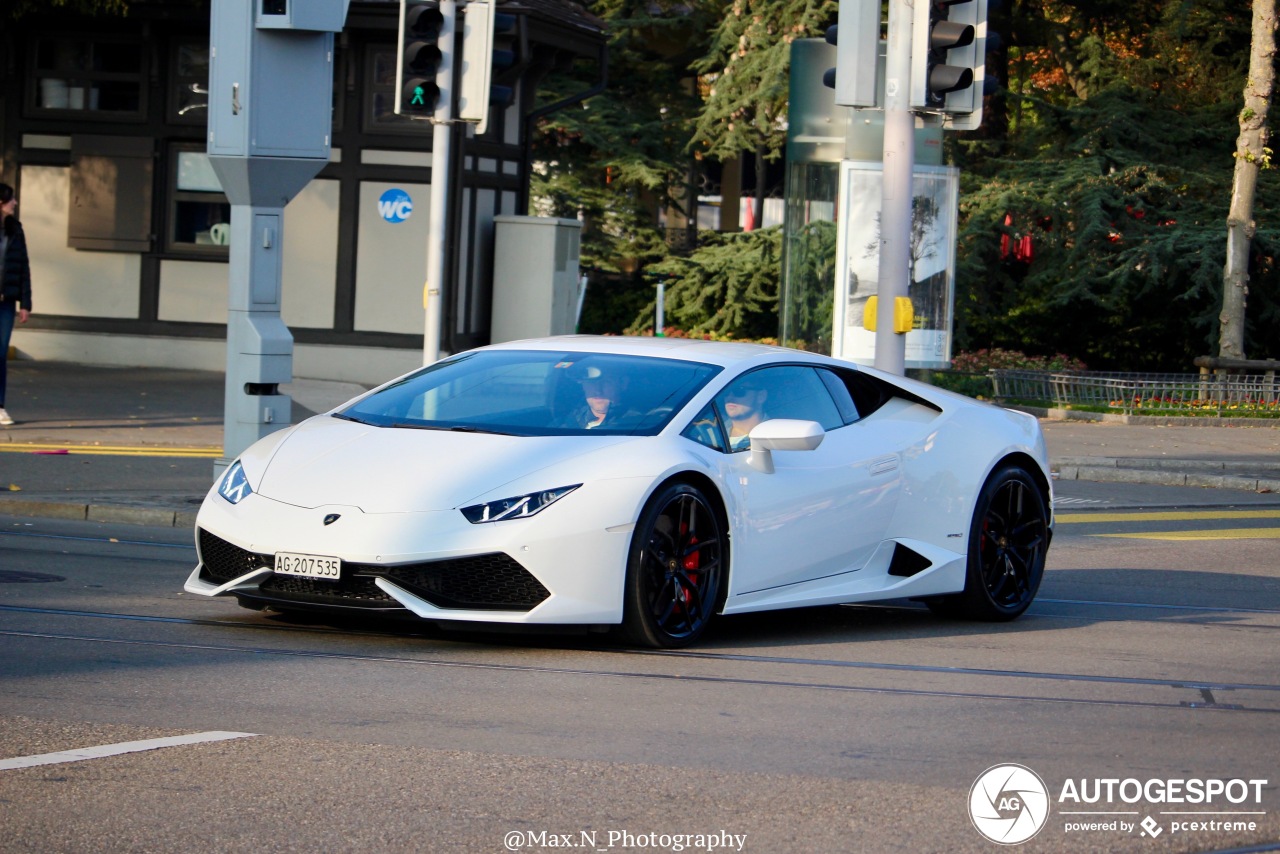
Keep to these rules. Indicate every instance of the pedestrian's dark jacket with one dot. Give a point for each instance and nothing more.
(16, 284)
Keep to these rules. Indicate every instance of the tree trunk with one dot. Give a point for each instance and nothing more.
(1062, 46)
(1251, 155)
(762, 172)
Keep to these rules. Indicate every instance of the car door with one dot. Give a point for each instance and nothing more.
(820, 513)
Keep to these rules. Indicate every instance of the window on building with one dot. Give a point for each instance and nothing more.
(94, 78)
(111, 178)
(199, 213)
(189, 92)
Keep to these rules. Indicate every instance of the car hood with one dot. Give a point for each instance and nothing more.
(327, 460)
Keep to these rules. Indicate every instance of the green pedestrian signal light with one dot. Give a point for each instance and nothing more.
(419, 96)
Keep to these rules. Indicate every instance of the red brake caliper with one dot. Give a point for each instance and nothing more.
(692, 562)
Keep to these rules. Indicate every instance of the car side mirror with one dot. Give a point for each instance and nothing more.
(782, 434)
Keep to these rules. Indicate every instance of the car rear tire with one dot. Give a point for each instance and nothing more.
(675, 569)
(1008, 539)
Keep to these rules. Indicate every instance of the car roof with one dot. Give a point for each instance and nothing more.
(723, 353)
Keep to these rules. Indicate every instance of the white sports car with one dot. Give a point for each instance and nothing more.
(647, 484)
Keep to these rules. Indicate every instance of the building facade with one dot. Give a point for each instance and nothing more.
(102, 132)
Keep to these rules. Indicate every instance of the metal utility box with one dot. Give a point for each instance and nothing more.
(277, 80)
(270, 114)
(315, 15)
(535, 277)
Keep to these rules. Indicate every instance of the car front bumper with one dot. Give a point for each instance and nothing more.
(565, 565)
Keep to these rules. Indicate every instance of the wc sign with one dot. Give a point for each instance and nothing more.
(395, 205)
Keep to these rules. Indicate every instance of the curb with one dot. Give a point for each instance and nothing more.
(1258, 469)
(109, 513)
(1053, 414)
(1170, 473)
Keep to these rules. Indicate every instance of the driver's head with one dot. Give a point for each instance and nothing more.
(744, 399)
(602, 389)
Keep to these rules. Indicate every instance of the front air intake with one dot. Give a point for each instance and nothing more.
(484, 582)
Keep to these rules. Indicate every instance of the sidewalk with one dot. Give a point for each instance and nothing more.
(134, 445)
(138, 445)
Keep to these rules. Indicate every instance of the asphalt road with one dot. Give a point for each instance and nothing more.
(1149, 655)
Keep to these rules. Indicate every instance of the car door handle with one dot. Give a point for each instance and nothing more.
(884, 465)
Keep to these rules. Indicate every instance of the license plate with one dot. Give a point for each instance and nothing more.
(309, 566)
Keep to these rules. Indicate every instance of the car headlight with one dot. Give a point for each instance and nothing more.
(235, 484)
(516, 507)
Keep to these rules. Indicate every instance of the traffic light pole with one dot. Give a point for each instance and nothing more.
(438, 218)
(895, 210)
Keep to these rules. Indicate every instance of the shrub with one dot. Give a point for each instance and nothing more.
(982, 361)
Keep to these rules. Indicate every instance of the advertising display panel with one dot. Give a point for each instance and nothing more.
(931, 267)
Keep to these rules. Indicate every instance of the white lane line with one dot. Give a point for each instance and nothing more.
(117, 749)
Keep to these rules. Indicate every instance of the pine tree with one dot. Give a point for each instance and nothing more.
(1115, 159)
(727, 288)
(618, 159)
(745, 76)
(1123, 204)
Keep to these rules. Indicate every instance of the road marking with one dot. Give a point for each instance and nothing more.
(109, 450)
(117, 749)
(1165, 516)
(1223, 534)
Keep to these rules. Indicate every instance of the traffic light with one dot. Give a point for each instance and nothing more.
(506, 51)
(964, 109)
(419, 57)
(948, 59)
(854, 77)
(488, 49)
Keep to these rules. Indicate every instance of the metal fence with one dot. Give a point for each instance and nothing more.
(1130, 393)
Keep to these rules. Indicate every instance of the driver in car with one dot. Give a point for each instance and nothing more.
(602, 394)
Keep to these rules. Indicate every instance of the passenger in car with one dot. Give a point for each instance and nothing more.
(743, 409)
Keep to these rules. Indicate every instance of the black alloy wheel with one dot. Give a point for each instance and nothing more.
(1008, 540)
(675, 570)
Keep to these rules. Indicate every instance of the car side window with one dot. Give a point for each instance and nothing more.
(706, 430)
(787, 391)
(867, 392)
(840, 394)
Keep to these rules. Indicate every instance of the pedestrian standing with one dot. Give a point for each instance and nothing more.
(15, 283)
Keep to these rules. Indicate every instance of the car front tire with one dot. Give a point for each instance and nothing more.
(675, 569)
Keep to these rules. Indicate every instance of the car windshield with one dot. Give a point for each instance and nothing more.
(537, 393)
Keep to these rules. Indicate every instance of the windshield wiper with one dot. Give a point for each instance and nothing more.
(457, 428)
(462, 428)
